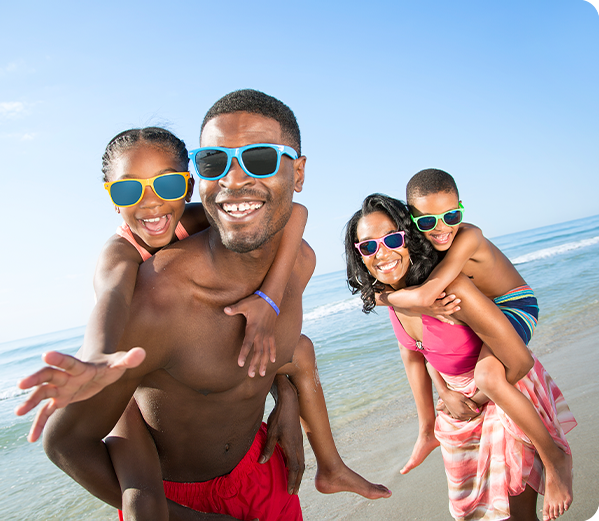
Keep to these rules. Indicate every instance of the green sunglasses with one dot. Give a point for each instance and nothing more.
(426, 223)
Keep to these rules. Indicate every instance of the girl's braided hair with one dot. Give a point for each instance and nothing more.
(151, 136)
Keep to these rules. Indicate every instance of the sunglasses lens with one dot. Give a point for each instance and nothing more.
(211, 163)
(170, 186)
(453, 218)
(125, 193)
(426, 223)
(368, 248)
(260, 161)
(394, 241)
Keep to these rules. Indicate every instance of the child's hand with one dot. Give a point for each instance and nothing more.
(67, 379)
(443, 307)
(458, 406)
(259, 332)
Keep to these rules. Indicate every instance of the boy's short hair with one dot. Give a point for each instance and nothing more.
(256, 102)
(430, 181)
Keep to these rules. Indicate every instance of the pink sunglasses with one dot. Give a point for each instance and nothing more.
(393, 241)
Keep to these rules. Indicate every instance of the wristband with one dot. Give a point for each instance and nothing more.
(269, 300)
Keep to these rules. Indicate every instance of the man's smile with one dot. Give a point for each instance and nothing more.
(241, 209)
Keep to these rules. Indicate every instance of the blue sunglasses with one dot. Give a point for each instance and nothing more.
(258, 160)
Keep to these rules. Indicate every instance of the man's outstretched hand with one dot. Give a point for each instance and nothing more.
(66, 379)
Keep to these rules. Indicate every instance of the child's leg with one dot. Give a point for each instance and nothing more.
(332, 474)
(137, 467)
(489, 376)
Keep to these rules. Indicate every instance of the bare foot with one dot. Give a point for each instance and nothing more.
(344, 479)
(558, 487)
(425, 444)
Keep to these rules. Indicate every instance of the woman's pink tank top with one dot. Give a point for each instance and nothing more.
(452, 350)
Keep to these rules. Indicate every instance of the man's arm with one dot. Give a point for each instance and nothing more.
(284, 428)
(73, 439)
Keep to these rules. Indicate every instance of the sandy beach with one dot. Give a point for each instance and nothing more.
(379, 445)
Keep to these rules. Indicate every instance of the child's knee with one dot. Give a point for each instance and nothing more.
(489, 375)
(460, 284)
(304, 351)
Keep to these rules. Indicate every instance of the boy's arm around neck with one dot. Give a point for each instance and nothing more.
(463, 248)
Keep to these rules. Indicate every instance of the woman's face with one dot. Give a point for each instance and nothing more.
(386, 265)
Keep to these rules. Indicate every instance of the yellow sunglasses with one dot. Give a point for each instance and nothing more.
(128, 192)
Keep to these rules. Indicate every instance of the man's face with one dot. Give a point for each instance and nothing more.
(248, 211)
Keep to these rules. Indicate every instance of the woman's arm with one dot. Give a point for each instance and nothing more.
(261, 315)
(420, 383)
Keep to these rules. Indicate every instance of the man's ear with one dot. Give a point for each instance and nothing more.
(190, 186)
(299, 166)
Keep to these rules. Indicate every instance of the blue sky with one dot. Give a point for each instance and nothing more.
(503, 95)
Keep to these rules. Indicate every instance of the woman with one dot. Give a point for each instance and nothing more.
(493, 469)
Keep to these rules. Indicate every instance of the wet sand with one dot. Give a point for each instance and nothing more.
(379, 445)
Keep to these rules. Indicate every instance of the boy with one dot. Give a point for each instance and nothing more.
(433, 199)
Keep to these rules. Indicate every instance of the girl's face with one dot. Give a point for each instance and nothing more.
(386, 265)
(442, 236)
(153, 220)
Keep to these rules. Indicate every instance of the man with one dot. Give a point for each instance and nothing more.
(201, 408)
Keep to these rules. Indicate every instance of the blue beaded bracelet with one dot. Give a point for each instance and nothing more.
(269, 300)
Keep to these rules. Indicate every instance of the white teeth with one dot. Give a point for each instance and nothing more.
(387, 266)
(155, 220)
(241, 207)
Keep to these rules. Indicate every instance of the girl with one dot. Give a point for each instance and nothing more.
(384, 250)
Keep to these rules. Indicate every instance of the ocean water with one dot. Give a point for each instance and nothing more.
(358, 360)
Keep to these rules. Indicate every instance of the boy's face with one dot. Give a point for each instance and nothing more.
(442, 236)
(153, 219)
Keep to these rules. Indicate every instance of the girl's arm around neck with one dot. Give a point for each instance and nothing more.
(278, 276)
(114, 282)
(261, 315)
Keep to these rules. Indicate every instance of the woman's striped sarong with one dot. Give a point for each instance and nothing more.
(489, 458)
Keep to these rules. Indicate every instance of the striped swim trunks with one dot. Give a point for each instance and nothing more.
(520, 307)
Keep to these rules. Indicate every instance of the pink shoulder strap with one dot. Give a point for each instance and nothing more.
(181, 232)
(125, 232)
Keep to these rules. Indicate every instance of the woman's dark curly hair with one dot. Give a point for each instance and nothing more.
(422, 255)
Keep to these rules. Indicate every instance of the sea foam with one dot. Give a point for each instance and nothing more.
(332, 309)
(555, 250)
